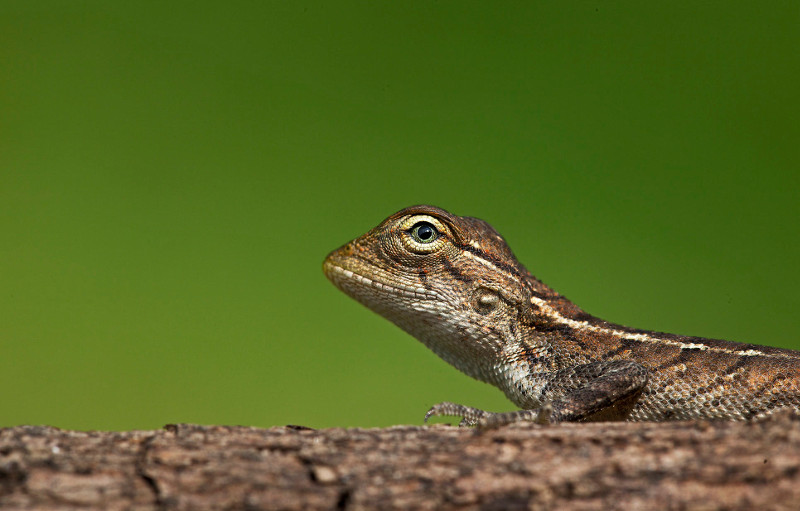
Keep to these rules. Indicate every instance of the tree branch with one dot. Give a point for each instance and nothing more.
(677, 465)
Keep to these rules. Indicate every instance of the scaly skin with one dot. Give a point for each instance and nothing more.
(453, 283)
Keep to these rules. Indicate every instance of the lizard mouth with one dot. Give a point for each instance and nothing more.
(350, 281)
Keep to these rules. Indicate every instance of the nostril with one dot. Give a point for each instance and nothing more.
(343, 251)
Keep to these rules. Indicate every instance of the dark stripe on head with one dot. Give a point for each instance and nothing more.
(502, 265)
(455, 272)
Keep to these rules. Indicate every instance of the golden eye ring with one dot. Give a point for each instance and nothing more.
(423, 234)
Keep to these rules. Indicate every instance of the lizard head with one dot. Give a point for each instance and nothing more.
(452, 282)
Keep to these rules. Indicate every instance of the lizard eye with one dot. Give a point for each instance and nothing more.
(423, 232)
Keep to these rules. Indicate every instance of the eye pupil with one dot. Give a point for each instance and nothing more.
(424, 232)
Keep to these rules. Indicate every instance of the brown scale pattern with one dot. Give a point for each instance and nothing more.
(453, 283)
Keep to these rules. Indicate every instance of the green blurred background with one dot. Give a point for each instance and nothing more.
(172, 175)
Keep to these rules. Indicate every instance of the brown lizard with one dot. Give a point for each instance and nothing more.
(453, 283)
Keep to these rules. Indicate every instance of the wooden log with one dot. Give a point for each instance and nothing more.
(676, 465)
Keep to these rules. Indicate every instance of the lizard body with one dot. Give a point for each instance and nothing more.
(453, 283)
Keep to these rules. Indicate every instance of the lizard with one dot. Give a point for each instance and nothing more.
(454, 284)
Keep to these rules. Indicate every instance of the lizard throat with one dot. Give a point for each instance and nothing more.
(425, 315)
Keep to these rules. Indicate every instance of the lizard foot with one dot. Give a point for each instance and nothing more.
(542, 415)
(469, 416)
(488, 420)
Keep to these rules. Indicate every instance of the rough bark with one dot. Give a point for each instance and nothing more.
(680, 465)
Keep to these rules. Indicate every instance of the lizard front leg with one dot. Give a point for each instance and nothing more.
(571, 394)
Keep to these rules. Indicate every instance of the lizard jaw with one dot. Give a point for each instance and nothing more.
(355, 284)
